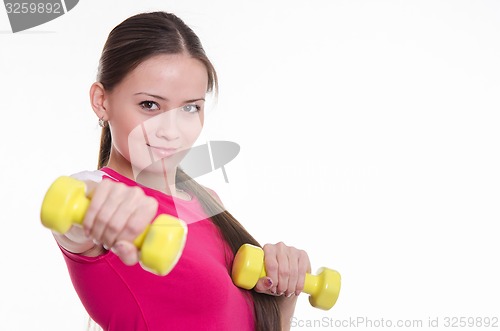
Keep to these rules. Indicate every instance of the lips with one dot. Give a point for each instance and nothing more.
(163, 151)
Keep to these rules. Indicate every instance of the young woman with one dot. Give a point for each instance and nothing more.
(149, 98)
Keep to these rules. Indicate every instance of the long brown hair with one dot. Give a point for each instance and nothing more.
(130, 43)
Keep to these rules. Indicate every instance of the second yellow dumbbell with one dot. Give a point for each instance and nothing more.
(248, 268)
(160, 245)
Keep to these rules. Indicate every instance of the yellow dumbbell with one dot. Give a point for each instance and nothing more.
(248, 268)
(160, 245)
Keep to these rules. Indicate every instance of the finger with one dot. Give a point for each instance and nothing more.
(99, 195)
(264, 285)
(138, 221)
(293, 263)
(271, 265)
(304, 266)
(283, 268)
(121, 216)
(114, 227)
(105, 214)
(126, 251)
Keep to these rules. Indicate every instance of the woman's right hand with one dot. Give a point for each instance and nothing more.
(117, 214)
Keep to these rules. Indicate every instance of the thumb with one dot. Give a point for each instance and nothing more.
(126, 251)
(264, 285)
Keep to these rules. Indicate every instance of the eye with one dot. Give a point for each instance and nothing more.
(149, 105)
(192, 108)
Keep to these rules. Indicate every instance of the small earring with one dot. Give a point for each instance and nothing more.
(101, 122)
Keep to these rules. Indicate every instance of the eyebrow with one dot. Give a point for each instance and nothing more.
(165, 99)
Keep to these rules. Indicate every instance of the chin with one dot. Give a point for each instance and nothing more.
(154, 170)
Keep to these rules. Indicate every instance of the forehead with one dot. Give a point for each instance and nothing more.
(169, 75)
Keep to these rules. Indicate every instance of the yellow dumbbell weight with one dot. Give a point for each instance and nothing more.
(248, 268)
(160, 245)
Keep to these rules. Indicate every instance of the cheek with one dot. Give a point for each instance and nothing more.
(192, 127)
(120, 140)
(129, 140)
(137, 141)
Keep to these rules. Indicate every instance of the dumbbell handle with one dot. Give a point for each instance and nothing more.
(311, 282)
(160, 244)
(249, 267)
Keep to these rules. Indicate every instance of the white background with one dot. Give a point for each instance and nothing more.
(369, 134)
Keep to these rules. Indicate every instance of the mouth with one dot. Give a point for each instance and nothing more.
(163, 151)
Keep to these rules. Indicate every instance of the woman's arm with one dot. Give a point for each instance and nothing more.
(286, 268)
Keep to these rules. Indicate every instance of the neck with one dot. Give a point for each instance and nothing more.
(157, 176)
(164, 182)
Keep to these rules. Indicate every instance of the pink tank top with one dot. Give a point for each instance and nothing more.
(197, 294)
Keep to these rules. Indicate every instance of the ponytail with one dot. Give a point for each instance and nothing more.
(105, 148)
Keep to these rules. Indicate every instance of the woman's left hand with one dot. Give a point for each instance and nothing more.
(286, 268)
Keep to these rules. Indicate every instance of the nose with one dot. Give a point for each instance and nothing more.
(167, 127)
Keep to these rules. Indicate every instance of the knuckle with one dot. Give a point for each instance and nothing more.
(103, 216)
(115, 188)
(119, 185)
(295, 253)
(114, 228)
(135, 228)
(92, 210)
(271, 267)
(137, 190)
(303, 268)
(268, 249)
(302, 255)
(284, 273)
(152, 203)
(136, 193)
(281, 246)
(101, 185)
(107, 184)
(112, 199)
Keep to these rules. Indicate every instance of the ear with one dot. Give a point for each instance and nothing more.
(98, 100)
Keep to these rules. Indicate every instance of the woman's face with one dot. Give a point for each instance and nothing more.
(156, 113)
